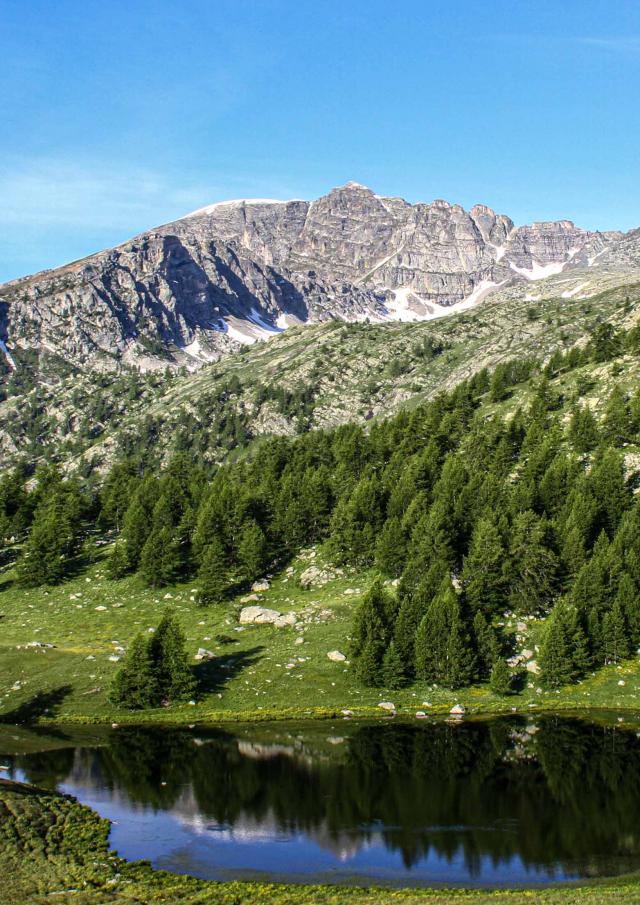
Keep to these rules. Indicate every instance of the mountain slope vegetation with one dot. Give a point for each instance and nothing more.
(308, 377)
(505, 510)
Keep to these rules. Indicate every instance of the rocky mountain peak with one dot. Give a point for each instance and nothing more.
(236, 271)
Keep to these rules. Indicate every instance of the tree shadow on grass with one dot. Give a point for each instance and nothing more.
(45, 703)
(213, 675)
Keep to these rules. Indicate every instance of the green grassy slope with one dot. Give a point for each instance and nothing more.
(258, 672)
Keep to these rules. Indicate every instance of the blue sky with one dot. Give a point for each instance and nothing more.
(117, 116)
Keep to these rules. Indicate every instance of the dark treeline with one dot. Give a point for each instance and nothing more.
(569, 792)
(476, 515)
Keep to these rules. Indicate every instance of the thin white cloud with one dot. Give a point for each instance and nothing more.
(54, 210)
(48, 193)
(616, 44)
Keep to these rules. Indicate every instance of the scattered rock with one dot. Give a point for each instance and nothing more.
(387, 705)
(204, 654)
(299, 640)
(346, 712)
(250, 598)
(283, 621)
(41, 644)
(622, 682)
(338, 657)
(527, 654)
(101, 609)
(114, 658)
(457, 710)
(315, 577)
(532, 666)
(261, 585)
(421, 715)
(259, 615)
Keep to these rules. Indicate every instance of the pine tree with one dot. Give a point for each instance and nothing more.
(118, 563)
(443, 650)
(617, 418)
(460, 665)
(53, 538)
(391, 548)
(609, 486)
(213, 575)
(137, 522)
(172, 676)
(371, 634)
(532, 567)
(252, 551)
(583, 429)
(356, 522)
(555, 655)
(483, 571)
(614, 635)
(133, 686)
(392, 668)
(368, 666)
(628, 600)
(160, 559)
(486, 643)
(594, 634)
(500, 679)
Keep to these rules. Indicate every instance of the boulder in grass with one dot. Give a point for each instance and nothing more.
(336, 656)
(457, 710)
(387, 705)
(258, 615)
(261, 585)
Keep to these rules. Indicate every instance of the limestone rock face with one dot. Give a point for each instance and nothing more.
(235, 272)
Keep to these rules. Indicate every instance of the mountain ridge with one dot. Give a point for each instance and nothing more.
(197, 288)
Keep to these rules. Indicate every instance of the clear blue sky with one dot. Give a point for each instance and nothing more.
(117, 116)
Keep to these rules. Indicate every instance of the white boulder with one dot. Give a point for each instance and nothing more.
(336, 656)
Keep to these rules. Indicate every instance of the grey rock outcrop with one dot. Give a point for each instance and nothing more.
(234, 272)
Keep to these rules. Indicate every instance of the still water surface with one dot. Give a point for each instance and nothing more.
(497, 803)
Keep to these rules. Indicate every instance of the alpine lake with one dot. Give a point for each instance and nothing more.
(503, 802)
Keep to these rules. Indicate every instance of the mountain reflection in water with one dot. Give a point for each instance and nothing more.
(500, 802)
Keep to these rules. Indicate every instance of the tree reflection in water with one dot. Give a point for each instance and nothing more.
(561, 794)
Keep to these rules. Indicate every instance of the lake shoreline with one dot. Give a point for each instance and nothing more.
(182, 717)
(69, 857)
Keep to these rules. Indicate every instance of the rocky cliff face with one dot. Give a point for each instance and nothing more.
(238, 271)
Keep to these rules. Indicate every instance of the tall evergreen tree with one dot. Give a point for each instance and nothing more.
(160, 559)
(486, 644)
(252, 551)
(532, 567)
(614, 634)
(443, 649)
(483, 571)
(500, 679)
(628, 600)
(134, 686)
(556, 668)
(213, 575)
(172, 676)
